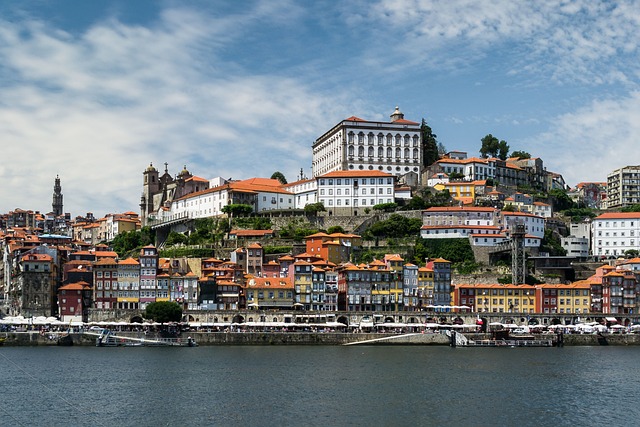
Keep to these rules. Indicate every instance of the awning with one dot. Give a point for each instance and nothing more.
(611, 319)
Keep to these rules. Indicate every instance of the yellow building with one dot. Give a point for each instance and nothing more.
(463, 191)
(496, 298)
(425, 286)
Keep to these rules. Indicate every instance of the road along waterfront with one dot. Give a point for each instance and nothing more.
(319, 386)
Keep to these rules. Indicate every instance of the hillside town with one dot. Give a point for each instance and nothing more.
(362, 172)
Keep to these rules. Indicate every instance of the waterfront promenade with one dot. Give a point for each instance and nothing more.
(35, 338)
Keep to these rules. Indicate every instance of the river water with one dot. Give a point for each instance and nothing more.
(319, 386)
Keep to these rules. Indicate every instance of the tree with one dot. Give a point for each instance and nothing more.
(520, 154)
(492, 147)
(280, 177)
(129, 240)
(386, 207)
(395, 226)
(163, 312)
(313, 208)
(175, 238)
(335, 229)
(237, 209)
(416, 203)
(560, 200)
(430, 152)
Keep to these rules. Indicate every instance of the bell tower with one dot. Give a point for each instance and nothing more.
(56, 206)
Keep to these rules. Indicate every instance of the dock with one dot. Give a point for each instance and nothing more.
(106, 338)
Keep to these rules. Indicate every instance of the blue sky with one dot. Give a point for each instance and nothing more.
(94, 91)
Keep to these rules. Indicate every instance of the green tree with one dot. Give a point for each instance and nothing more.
(312, 209)
(280, 177)
(386, 207)
(175, 238)
(237, 209)
(454, 250)
(492, 147)
(163, 312)
(632, 253)
(632, 208)
(128, 241)
(429, 144)
(335, 229)
(551, 243)
(520, 154)
(395, 226)
(416, 203)
(560, 200)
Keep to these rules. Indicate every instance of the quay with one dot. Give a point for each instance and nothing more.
(35, 338)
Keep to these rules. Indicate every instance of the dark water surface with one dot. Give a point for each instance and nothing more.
(319, 386)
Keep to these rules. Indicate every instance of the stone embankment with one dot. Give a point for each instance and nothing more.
(34, 338)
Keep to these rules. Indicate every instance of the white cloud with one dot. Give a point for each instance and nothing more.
(591, 142)
(97, 107)
(568, 41)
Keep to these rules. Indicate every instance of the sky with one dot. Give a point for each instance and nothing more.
(95, 91)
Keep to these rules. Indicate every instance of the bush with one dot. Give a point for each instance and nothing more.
(163, 312)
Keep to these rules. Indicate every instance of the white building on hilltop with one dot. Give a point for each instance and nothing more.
(355, 144)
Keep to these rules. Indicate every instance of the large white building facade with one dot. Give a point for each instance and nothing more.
(613, 233)
(354, 144)
(348, 192)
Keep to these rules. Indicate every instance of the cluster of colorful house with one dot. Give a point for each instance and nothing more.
(52, 275)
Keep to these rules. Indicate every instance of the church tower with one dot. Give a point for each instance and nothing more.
(57, 197)
(150, 187)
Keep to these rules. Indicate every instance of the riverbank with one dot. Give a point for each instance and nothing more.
(34, 338)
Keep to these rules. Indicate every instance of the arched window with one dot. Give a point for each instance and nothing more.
(350, 137)
(398, 139)
(415, 140)
(406, 140)
(398, 153)
(361, 151)
(380, 138)
(389, 139)
(370, 153)
(370, 138)
(415, 153)
(380, 152)
(361, 138)
(351, 150)
(389, 152)
(406, 153)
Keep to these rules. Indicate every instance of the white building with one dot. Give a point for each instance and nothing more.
(614, 233)
(623, 187)
(473, 168)
(355, 144)
(347, 192)
(542, 209)
(305, 192)
(485, 226)
(576, 246)
(263, 194)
